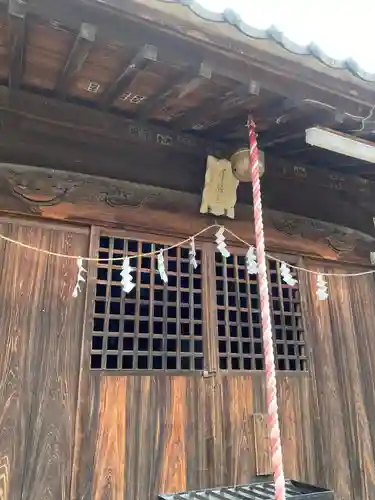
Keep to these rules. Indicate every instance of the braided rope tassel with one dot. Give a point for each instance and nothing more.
(272, 408)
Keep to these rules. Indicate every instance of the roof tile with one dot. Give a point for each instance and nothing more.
(274, 34)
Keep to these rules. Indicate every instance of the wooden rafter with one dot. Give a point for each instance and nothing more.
(77, 56)
(233, 122)
(192, 118)
(205, 73)
(282, 77)
(182, 79)
(282, 132)
(147, 54)
(182, 87)
(17, 19)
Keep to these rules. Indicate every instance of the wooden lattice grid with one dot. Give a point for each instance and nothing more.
(157, 326)
(239, 320)
(161, 327)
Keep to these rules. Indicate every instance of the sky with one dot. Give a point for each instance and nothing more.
(343, 29)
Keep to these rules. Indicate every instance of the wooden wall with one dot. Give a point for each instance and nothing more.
(67, 433)
(341, 334)
(40, 338)
(170, 434)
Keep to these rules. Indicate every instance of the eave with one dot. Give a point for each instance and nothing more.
(115, 64)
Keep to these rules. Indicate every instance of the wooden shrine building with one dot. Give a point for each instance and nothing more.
(108, 112)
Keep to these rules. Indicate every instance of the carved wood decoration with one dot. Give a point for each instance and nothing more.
(220, 188)
(52, 194)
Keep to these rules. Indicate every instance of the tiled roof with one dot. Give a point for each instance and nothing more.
(232, 18)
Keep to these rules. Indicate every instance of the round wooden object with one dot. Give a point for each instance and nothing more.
(240, 163)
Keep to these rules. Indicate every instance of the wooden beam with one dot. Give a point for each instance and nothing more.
(17, 25)
(77, 56)
(343, 144)
(287, 186)
(87, 123)
(114, 159)
(52, 118)
(99, 200)
(138, 63)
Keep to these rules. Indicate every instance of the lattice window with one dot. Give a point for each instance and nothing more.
(239, 321)
(156, 326)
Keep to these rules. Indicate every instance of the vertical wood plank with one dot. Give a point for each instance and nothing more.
(214, 431)
(362, 292)
(209, 306)
(147, 427)
(16, 297)
(225, 435)
(108, 477)
(298, 433)
(259, 392)
(326, 324)
(148, 422)
(43, 332)
(262, 445)
(142, 457)
(134, 435)
(157, 431)
(88, 393)
(241, 460)
(288, 408)
(307, 437)
(50, 440)
(346, 360)
(354, 374)
(195, 447)
(173, 477)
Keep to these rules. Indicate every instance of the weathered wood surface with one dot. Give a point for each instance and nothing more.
(40, 333)
(77, 142)
(342, 344)
(233, 54)
(109, 464)
(93, 200)
(62, 119)
(186, 433)
(197, 29)
(168, 434)
(177, 433)
(90, 408)
(132, 437)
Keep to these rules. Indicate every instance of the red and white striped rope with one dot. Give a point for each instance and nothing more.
(272, 408)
